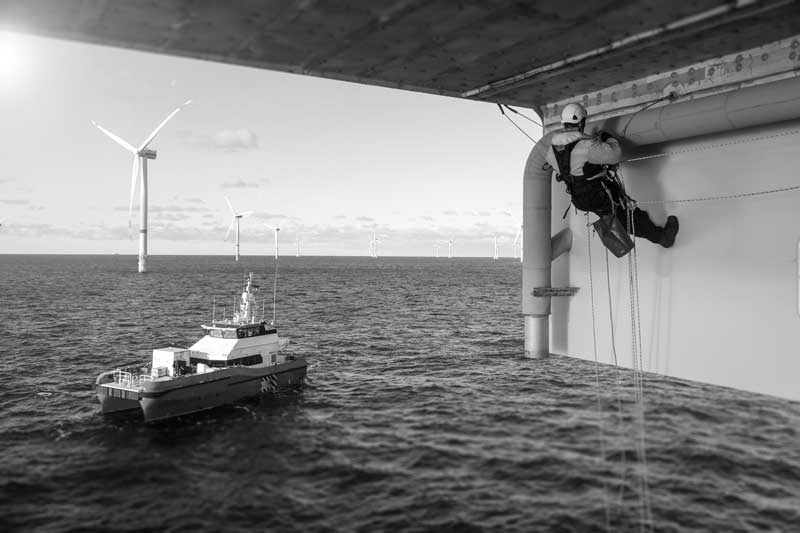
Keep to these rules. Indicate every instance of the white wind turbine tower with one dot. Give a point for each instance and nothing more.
(276, 228)
(436, 249)
(495, 256)
(450, 248)
(140, 157)
(518, 243)
(237, 217)
(373, 245)
(297, 244)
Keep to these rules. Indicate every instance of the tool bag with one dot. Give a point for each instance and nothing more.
(613, 234)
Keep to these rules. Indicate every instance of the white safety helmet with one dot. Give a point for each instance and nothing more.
(573, 114)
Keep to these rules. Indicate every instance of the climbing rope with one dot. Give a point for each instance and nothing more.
(638, 374)
(646, 519)
(601, 437)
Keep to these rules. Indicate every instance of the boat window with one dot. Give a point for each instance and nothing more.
(215, 333)
(250, 331)
(246, 361)
(242, 361)
(229, 333)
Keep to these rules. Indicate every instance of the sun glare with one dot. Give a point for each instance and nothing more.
(11, 59)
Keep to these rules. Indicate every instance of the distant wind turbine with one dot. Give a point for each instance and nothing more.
(297, 244)
(276, 228)
(373, 244)
(518, 243)
(450, 248)
(436, 250)
(237, 217)
(495, 256)
(140, 157)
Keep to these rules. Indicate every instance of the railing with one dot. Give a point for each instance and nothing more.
(130, 380)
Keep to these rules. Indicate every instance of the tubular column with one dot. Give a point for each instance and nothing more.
(143, 219)
(537, 245)
(237, 238)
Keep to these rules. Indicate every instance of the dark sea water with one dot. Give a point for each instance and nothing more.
(419, 413)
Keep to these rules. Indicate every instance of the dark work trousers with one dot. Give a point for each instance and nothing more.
(642, 225)
(592, 196)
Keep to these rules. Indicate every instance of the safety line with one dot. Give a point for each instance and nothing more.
(522, 115)
(515, 124)
(723, 197)
(712, 146)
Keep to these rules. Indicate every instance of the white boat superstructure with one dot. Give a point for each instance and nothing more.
(238, 357)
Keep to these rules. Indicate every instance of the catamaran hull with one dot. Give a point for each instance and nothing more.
(160, 400)
(114, 398)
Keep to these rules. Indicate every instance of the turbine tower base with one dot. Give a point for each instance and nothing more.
(537, 336)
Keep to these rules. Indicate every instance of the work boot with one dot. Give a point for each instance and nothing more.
(670, 230)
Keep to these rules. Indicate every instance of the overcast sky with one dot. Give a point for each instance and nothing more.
(328, 160)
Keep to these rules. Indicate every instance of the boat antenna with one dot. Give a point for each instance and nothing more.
(214, 311)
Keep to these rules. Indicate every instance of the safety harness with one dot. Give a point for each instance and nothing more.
(593, 191)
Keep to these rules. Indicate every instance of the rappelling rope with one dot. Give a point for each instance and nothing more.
(601, 437)
(618, 378)
(638, 373)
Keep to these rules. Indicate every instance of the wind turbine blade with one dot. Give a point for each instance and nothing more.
(134, 179)
(119, 140)
(227, 233)
(230, 205)
(246, 213)
(163, 123)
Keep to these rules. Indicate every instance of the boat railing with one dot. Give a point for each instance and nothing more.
(131, 380)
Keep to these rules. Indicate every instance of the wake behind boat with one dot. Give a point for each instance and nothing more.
(239, 357)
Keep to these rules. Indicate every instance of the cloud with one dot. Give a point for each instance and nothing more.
(231, 140)
(241, 139)
(15, 201)
(239, 184)
(365, 219)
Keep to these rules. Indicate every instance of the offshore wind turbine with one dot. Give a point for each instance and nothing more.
(237, 217)
(495, 256)
(436, 249)
(518, 243)
(450, 248)
(297, 245)
(373, 245)
(140, 157)
(276, 228)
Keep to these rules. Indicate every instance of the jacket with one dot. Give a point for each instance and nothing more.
(588, 149)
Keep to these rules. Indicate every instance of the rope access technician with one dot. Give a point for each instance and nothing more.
(587, 165)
